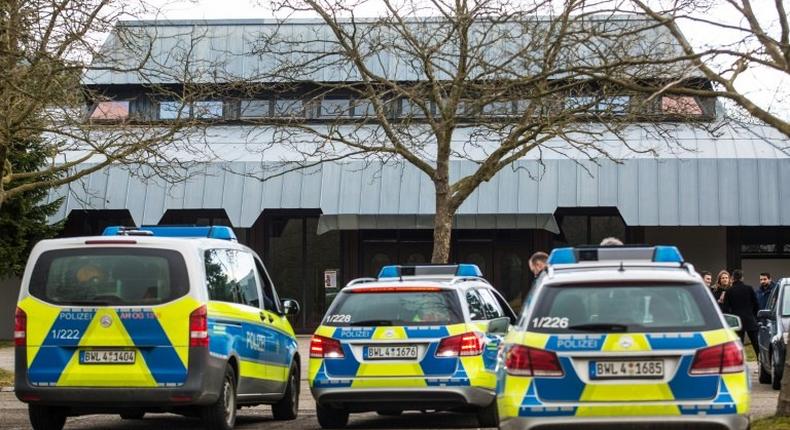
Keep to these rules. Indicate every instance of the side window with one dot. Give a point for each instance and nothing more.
(270, 300)
(247, 279)
(475, 303)
(773, 299)
(490, 305)
(220, 280)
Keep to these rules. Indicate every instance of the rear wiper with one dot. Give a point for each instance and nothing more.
(372, 323)
(600, 326)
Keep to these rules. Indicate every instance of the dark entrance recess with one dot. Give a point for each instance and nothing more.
(588, 226)
(93, 222)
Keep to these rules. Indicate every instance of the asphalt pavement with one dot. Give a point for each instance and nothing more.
(13, 414)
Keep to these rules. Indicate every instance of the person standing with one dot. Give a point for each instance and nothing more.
(720, 288)
(707, 278)
(765, 289)
(741, 300)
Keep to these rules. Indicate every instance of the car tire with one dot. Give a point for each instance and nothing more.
(331, 418)
(776, 375)
(46, 417)
(288, 408)
(221, 415)
(135, 415)
(763, 376)
(488, 416)
(390, 413)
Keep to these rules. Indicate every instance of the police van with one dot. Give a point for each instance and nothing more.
(156, 319)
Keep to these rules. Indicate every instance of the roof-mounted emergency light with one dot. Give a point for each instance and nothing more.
(462, 270)
(655, 254)
(210, 232)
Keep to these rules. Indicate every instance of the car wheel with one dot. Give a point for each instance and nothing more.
(776, 375)
(764, 377)
(390, 413)
(46, 417)
(135, 415)
(488, 416)
(288, 408)
(221, 415)
(331, 418)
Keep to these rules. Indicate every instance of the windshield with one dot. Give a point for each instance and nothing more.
(624, 308)
(109, 276)
(439, 307)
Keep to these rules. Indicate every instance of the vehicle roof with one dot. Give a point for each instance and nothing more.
(593, 272)
(147, 241)
(443, 282)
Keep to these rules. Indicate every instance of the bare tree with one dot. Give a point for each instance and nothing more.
(489, 81)
(48, 51)
(751, 38)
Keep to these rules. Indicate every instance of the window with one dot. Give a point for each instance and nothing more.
(681, 105)
(289, 108)
(248, 279)
(109, 276)
(207, 109)
(490, 305)
(363, 108)
(616, 105)
(335, 108)
(110, 111)
(173, 110)
(476, 308)
(220, 279)
(410, 109)
(498, 108)
(270, 300)
(405, 308)
(255, 108)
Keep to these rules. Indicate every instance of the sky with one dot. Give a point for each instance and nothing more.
(769, 89)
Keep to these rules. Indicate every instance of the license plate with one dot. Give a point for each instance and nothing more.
(392, 352)
(627, 369)
(110, 356)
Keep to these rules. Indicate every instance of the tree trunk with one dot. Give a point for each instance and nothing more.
(442, 231)
(783, 405)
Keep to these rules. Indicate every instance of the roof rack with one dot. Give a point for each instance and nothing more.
(360, 281)
(210, 232)
(431, 270)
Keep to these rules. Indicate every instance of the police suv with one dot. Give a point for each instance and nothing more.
(416, 338)
(161, 319)
(622, 336)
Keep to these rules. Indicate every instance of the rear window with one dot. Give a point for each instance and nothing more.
(109, 277)
(624, 308)
(395, 308)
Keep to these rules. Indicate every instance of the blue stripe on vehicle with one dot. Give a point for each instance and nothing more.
(350, 333)
(161, 358)
(435, 366)
(341, 367)
(676, 341)
(322, 380)
(566, 388)
(723, 404)
(687, 387)
(59, 346)
(426, 332)
(581, 342)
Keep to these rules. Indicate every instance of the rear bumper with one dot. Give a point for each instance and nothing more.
(700, 422)
(371, 399)
(204, 380)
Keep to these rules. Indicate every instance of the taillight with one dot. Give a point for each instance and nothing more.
(525, 361)
(325, 347)
(198, 327)
(20, 328)
(714, 360)
(461, 345)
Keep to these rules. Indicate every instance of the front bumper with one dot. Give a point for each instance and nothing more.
(202, 387)
(433, 398)
(699, 422)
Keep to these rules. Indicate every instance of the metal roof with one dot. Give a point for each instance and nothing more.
(736, 178)
(210, 51)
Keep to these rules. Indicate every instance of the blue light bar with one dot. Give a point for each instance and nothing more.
(562, 256)
(389, 272)
(655, 254)
(470, 270)
(667, 254)
(210, 232)
(464, 270)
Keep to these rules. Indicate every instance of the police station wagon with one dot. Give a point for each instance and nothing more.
(618, 337)
(161, 319)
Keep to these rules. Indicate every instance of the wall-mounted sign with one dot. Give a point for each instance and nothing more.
(330, 278)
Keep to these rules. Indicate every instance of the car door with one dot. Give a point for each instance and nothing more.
(282, 344)
(493, 310)
(767, 329)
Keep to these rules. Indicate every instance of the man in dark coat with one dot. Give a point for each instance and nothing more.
(741, 300)
(765, 289)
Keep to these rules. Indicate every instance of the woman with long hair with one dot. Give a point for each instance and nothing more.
(720, 288)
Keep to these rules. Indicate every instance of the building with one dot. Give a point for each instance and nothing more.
(720, 196)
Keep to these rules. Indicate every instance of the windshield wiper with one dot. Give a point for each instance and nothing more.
(371, 323)
(600, 326)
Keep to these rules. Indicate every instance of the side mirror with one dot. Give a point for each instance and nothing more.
(290, 307)
(733, 321)
(499, 325)
(765, 314)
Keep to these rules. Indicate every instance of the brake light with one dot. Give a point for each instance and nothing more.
(373, 290)
(110, 242)
(461, 345)
(20, 327)
(525, 361)
(325, 347)
(198, 327)
(719, 359)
